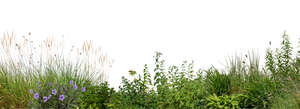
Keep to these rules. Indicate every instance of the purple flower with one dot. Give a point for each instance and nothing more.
(49, 96)
(54, 91)
(71, 82)
(30, 102)
(36, 96)
(75, 86)
(61, 97)
(45, 99)
(39, 83)
(31, 91)
(83, 89)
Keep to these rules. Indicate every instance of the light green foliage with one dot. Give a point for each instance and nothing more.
(224, 102)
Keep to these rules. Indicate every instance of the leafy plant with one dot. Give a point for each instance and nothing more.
(224, 101)
(97, 97)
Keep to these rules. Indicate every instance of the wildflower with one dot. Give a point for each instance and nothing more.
(36, 95)
(54, 91)
(71, 82)
(30, 102)
(39, 83)
(75, 86)
(31, 91)
(83, 89)
(61, 97)
(45, 99)
(49, 96)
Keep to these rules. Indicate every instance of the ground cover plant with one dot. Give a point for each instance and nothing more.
(243, 84)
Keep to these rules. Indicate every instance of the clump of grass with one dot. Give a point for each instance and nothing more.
(24, 62)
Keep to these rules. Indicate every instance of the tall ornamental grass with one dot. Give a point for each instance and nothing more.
(24, 62)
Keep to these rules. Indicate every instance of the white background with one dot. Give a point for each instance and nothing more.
(130, 31)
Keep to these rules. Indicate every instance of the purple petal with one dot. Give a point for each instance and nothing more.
(83, 89)
(45, 99)
(36, 95)
(61, 97)
(54, 91)
(31, 91)
(75, 86)
(71, 82)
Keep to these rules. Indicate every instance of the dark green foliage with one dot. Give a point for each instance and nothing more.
(97, 97)
(260, 92)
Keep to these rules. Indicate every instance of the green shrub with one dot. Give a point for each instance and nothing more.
(190, 96)
(97, 97)
(136, 93)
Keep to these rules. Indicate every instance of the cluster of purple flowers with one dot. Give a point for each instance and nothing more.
(54, 92)
(75, 86)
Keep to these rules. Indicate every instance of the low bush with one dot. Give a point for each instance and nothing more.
(97, 97)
